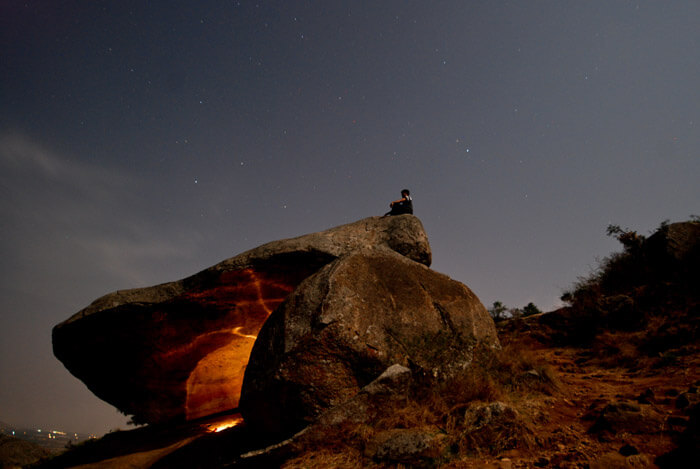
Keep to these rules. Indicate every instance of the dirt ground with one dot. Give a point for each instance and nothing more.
(577, 427)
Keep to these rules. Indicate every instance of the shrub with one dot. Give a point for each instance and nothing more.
(531, 309)
(631, 287)
(498, 311)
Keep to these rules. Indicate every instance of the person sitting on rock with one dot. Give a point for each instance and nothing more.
(403, 205)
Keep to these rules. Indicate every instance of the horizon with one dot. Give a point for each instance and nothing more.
(141, 143)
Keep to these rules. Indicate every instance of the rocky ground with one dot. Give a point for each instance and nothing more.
(596, 415)
(603, 416)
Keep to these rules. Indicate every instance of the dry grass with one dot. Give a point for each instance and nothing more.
(518, 370)
(511, 431)
(510, 375)
(664, 338)
(616, 350)
(348, 458)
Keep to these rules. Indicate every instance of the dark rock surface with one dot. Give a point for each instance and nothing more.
(343, 326)
(390, 387)
(627, 416)
(179, 350)
(675, 242)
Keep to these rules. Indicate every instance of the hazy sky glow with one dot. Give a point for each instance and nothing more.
(141, 142)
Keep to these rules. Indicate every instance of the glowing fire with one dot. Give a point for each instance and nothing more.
(237, 331)
(224, 424)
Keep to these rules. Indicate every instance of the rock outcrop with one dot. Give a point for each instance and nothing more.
(178, 351)
(677, 242)
(343, 326)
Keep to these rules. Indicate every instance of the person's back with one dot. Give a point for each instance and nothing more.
(406, 205)
(403, 205)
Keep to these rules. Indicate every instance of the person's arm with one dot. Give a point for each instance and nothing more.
(397, 201)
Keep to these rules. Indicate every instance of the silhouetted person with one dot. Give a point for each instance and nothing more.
(403, 205)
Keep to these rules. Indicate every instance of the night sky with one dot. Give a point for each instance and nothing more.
(141, 142)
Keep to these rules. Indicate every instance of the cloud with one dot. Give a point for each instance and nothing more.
(19, 153)
(27, 165)
(63, 218)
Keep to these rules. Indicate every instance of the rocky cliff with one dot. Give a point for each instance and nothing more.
(179, 351)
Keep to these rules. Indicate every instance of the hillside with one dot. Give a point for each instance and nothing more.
(626, 353)
(611, 380)
(17, 453)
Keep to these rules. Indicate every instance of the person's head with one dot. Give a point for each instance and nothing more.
(405, 193)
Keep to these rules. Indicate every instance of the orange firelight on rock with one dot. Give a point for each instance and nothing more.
(214, 384)
(222, 425)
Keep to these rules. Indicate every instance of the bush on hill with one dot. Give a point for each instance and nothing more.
(500, 312)
(652, 285)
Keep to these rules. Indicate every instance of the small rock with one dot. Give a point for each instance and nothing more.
(647, 397)
(628, 450)
(619, 417)
(505, 463)
(542, 462)
(618, 461)
(685, 399)
(485, 415)
(416, 447)
(638, 460)
(629, 406)
(675, 420)
(497, 426)
(395, 379)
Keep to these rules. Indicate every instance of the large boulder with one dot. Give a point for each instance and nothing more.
(343, 326)
(179, 350)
